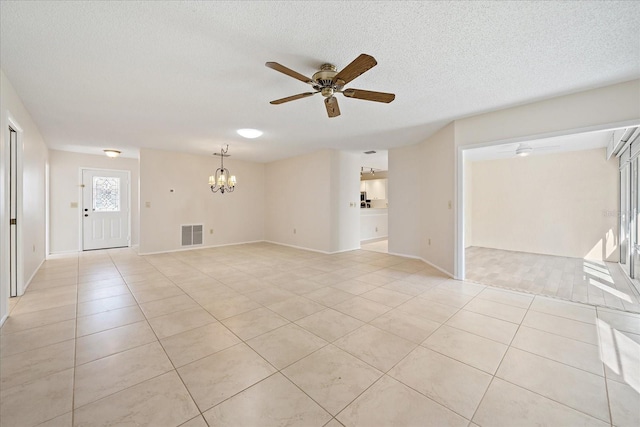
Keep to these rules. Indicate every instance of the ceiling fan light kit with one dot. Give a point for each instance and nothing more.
(328, 81)
(523, 150)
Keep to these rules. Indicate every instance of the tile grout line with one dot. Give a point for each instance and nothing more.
(293, 322)
(606, 383)
(499, 364)
(75, 348)
(164, 351)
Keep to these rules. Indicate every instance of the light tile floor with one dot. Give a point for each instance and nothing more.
(574, 279)
(264, 335)
(381, 246)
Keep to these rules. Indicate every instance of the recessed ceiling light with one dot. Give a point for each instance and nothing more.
(249, 133)
(112, 153)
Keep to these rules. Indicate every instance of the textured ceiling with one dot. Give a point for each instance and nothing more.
(561, 144)
(185, 75)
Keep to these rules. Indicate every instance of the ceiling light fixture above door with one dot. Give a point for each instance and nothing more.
(222, 180)
(111, 153)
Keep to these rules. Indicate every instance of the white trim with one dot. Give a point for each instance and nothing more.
(344, 250)
(47, 211)
(426, 262)
(51, 255)
(375, 239)
(11, 122)
(301, 247)
(5, 317)
(459, 258)
(28, 282)
(312, 250)
(198, 247)
(459, 234)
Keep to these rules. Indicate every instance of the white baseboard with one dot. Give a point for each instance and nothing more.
(374, 239)
(442, 270)
(61, 253)
(310, 249)
(28, 282)
(3, 319)
(297, 247)
(193, 248)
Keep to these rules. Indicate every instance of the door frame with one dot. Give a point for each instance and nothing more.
(5, 229)
(81, 203)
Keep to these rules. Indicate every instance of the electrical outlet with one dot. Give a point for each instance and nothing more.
(376, 229)
(429, 242)
(34, 248)
(74, 204)
(147, 204)
(294, 231)
(449, 204)
(211, 231)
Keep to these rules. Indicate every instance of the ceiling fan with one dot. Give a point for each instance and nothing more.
(523, 149)
(328, 81)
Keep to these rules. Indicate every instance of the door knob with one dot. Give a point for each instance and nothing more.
(86, 214)
(86, 210)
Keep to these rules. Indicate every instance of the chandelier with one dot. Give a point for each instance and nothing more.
(222, 180)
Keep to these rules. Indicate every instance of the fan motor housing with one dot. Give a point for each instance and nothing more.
(324, 77)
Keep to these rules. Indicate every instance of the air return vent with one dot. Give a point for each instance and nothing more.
(192, 235)
(370, 152)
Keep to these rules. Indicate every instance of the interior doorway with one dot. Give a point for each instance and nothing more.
(13, 212)
(106, 217)
(540, 216)
(374, 201)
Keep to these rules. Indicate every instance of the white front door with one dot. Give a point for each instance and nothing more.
(105, 209)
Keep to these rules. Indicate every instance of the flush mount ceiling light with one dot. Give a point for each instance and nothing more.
(112, 153)
(222, 180)
(249, 133)
(523, 150)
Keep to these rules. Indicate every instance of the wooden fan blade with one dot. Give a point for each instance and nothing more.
(288, 72)
(292, 98)
(358, 66)
(332, 106)
(369, 95)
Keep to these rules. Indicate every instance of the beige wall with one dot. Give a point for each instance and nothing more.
(345, 201)
(298, 196)
(318, 195)
(468, 204)
(64, 189)
(438, 178)
(234, 217)
(421, 188)
(33, 185)
(551, 204)
(405, 200)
